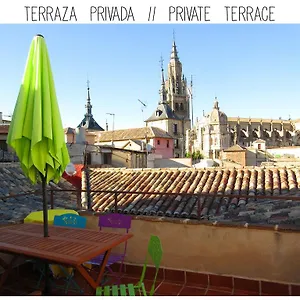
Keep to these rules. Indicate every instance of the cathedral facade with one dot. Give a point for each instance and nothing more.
(173, 111)
(215, 132)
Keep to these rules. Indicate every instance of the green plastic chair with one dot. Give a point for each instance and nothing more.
(155, 252)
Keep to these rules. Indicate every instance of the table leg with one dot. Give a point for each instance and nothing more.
(7, 268)
(47, 287)
(94, 284)
(102, 267)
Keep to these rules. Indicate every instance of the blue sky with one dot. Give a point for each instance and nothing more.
(254, 70)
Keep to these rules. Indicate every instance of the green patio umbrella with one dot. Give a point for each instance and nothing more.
(36, 133)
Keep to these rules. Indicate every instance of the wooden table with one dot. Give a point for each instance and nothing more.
(65, 246)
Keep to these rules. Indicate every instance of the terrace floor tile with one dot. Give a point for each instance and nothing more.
(192, 291)
(168, 289)
(215, 292)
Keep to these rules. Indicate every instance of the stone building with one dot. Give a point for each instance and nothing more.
(212, 135)
(173, 111)
(216, 132)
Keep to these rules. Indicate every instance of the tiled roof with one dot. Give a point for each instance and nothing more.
(216, 181)
(164, 112)
(89, 123)
(132, 134)
(69, 130)
(235, 148)
(14, 182)
(259, 141)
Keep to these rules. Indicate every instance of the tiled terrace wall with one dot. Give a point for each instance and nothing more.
(241, 252)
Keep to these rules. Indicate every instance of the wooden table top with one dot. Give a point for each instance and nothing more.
(65, 245)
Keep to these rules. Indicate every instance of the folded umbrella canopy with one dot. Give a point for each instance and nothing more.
(36, 133)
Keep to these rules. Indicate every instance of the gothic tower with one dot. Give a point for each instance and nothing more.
(165, 118)
(177, 93)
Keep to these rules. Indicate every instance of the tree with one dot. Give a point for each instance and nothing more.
(197, 155)
(188, 155)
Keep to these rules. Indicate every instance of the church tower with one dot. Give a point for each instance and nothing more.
(88, 121)
(177, 93)
(165, 118)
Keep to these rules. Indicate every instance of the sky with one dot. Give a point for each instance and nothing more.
(254, 70)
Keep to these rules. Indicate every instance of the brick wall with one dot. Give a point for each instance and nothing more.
(236, 156)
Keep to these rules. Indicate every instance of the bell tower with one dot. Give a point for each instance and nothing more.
(176, 85)
(178, 98)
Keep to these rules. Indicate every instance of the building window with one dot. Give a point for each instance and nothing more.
(107, 158)
(176, 106)
(176, 143)
(175, 128)
(168, 144)
(158, 113)
(158, 142)
(259, 146)
(177, 87)
(181, 106)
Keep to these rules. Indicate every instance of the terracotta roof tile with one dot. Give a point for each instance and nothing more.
(216, 181)
(13, 182)
(235, 148)
(132, 134)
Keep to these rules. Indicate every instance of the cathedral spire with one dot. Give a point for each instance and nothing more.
(174, 53)
(88, 105)
(163, 95)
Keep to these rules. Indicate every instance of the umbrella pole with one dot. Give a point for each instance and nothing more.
(46, 290)
(45, 206)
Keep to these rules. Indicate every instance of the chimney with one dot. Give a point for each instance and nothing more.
(80, 135)
(1, 120)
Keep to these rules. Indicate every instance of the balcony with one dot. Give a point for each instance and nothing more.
(202, 258)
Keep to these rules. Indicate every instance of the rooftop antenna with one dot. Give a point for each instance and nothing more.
(144, 105)
(142, 109)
